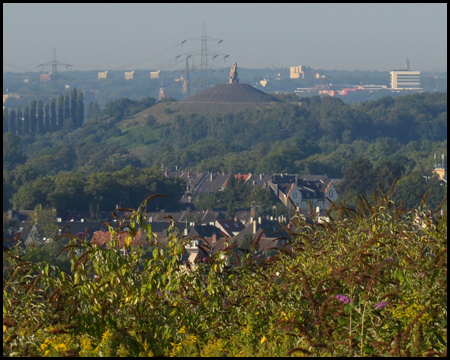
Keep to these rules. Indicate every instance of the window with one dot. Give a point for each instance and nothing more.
(294, 195)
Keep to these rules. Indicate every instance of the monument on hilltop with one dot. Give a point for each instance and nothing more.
(234, 74)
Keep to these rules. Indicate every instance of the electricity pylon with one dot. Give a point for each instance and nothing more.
(202, 79)
(54, 74)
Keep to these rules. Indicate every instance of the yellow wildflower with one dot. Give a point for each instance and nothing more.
(43, 347)
(61, 346)
(106, 335)
(4, 328)
(47, 352)
(263, 340)
(182, 330)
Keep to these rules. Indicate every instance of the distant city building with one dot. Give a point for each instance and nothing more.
(10, 96)
(297, 72)
(263, 82)
(154, 74)
(405, 80)
(129, 75)
(44, 77)
(102, 75)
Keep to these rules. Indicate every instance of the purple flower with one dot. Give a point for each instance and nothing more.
(206, 294)
(159, 293)
(343, 298)
(391, 259)
(381, 305)
(168, 292)
(421, 274)
(204, 259)
(224, 303)
(79, 234)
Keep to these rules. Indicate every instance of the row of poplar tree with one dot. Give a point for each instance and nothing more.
(62, 112)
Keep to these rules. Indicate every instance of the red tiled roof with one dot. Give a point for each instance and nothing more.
(101, 238)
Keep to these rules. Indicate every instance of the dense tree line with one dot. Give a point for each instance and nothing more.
(97, 191)
(37, 118)
(407, 118)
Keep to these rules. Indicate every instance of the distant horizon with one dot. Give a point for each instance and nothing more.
(342, 37)
(246, 68)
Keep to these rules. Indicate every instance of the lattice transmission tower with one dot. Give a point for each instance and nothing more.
(202, 77)
(54, 74)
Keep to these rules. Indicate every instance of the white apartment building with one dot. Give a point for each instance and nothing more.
(405, 80)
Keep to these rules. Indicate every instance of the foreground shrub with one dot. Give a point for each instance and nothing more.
(369, 282)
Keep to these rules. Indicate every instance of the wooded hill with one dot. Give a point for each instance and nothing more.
(319, 135)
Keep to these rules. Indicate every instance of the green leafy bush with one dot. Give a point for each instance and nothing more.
(370, 282)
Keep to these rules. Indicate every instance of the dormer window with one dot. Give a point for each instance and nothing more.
(194, 244)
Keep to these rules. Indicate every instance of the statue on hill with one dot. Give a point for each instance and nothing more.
(234, 74)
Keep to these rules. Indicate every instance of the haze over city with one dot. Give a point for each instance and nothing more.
(376, 37)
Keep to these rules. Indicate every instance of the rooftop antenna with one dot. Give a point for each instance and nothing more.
(54, 74)
(407, 64)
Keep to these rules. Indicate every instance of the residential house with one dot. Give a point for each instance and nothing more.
(33, 237)
(102, 238)
(212, 182)
(230, 228)
(203, 241)
(271, 234)
(327, 186)
(260, 180)
(302, 190)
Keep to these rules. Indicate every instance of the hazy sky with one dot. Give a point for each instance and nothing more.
(149, 36)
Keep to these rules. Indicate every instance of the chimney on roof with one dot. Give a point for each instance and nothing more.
(214, 238)
(254, 225)
(260, 176)
(210, 176)
(259, 220)
(189, 174)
